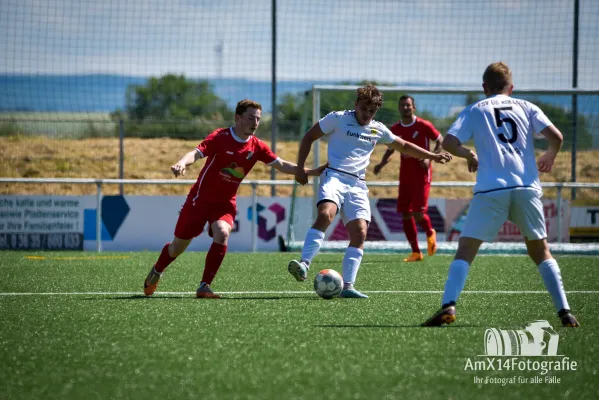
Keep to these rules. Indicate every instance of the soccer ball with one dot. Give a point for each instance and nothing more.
(328, 283)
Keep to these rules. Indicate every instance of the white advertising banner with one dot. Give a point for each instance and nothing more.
(584, 224)
(42, 222)
(151, 221)
(134, 223)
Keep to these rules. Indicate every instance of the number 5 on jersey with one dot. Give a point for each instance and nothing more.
(499, 121)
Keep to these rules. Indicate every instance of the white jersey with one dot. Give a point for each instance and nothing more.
(502, 128)
(351, 144)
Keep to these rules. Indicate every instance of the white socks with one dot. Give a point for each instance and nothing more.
(552, 277)
(351, 265)
(312, 244)
(456, 279)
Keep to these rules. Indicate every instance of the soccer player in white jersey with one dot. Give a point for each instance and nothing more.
(352, 137)
(507, 185)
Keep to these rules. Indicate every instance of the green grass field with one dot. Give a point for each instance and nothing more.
(76, 326)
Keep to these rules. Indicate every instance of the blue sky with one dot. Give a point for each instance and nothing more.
(436, 41)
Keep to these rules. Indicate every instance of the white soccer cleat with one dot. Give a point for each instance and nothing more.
(298, 269)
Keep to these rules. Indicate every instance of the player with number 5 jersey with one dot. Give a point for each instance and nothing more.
(507, 185)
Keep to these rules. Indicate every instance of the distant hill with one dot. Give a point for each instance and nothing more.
(106, 93)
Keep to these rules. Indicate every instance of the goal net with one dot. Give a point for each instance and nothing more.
(452, 184)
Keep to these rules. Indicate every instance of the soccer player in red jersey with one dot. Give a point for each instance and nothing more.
(414, 176)
(231, 153)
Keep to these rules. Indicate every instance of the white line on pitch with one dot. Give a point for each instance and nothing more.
(292, 292)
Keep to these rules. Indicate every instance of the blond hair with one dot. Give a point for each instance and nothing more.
(370, 95)
(244, 104)
(497, 77)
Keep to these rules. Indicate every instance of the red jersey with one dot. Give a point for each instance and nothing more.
(228, 160)
(420, 132)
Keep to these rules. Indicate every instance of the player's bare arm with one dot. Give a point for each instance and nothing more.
(384, 161)
(418, 152)
(310, 137)
(438, 148)
(438, 144)
(452, 145)
(185, 161)
(555, 139)
(290, 168)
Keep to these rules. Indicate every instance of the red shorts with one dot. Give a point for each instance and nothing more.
(413, 197)
(193, 218)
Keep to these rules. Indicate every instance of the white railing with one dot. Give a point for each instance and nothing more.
(254, 184)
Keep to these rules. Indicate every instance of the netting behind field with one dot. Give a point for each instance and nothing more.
(80, 59)
(76, 69)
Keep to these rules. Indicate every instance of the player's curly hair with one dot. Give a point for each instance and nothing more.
(244, 104)
(497, 76)
(369, 94)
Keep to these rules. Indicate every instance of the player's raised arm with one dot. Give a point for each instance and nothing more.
(453, 145)
(310, 137)
(418, 152)
(185, 161)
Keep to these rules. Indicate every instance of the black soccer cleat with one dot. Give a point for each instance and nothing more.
(568, 320)
(445, 316)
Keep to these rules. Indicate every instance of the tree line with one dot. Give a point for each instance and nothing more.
(175, 106)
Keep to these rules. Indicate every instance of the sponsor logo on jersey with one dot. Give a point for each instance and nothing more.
(415, 135)
(233, 170)
(372, 138)
(250, 154)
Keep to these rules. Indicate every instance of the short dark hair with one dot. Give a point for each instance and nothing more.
(406, 97)
(244, 104)
(370, 95)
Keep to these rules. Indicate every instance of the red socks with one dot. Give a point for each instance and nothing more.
(164, 260)
(409, 227)
(426, 225)
(214, 259)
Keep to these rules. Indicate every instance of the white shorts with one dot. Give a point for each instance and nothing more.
(488, 212)
(349, 193)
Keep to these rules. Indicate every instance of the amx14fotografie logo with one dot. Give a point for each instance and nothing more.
(531, 349)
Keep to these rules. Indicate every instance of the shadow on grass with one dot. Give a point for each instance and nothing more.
(394, 326)
(191, 297)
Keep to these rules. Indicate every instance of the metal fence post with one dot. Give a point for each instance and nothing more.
(99, 216)
(254, 217)
(559, 214)
(121, 154)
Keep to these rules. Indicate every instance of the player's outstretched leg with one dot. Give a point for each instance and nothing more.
(214, 259)
(151, 281)
(538, 250)
(456, 279)
(357, 229)
(312, 244)
(552, 277)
